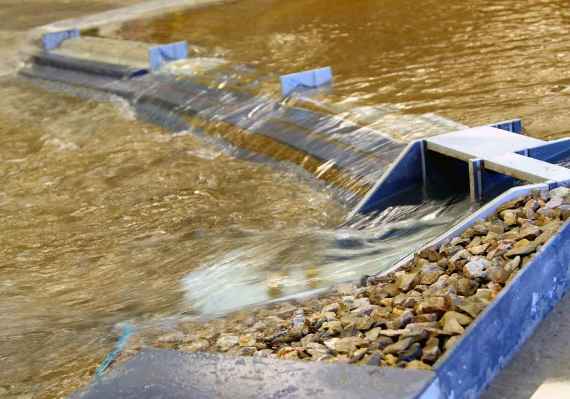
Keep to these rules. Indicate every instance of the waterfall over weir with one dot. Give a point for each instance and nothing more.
(347, 149)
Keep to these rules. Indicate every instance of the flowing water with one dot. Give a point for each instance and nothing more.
(477, 62)
(107, 219)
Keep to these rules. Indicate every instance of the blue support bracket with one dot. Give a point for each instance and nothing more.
(552, 151)
(53, 40)
(160, 55)
(308, 79)
(513, 126)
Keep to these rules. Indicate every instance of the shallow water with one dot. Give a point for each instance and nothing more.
(108, 219)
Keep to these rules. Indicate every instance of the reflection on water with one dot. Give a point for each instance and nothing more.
(478, 62)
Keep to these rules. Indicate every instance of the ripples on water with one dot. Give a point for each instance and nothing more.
(108, 219)
(477, 62)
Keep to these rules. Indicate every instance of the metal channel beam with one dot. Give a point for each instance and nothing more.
(526, 169)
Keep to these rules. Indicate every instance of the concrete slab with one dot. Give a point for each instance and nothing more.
(111, 51)
(481, 142)
(526, 169)
(172, 374)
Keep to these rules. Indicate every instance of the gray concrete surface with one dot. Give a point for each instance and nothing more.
(542, 367)
(173, 374)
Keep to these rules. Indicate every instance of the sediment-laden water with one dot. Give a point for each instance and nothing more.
(107, 219)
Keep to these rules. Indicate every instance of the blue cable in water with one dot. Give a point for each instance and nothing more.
(127, 330)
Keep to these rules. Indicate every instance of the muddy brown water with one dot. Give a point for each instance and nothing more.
(476, 62)
(107, 219)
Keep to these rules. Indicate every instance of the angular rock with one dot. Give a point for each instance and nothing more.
(332, 327)
(452, 341)
(529, 231)
(478, 249)
(226, 342)
(452, 326)
(513, 264)
(406, 281)
(247, 340)
(476, 268)
(418, 365)
(345, 345)
(466, 287)
(434, 304)
(498, 274)
(358, 355)
(509, 217)
(431, 254)
(522, 247)
(430, 273)
(414, 352)
(431, 351)
(399, 346)
(199, 345)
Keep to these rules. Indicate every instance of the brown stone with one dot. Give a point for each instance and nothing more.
(498, 274)
(522, 247)
(472, 306)
(452, 341)
(466, 287)
(414, 352)
(399, 346)
(451, 325)
(345, 345)
(226, 342)
(476, 268)
(376, 294)
(478, 249)
(332, 327)
(406, 281)
(358, 355)
(509, 217)
(431, 351)
(434, 304)
(390, 360)
(431, 254)
(247, 340)
(418, 365)
(430, 273)
(199, 345)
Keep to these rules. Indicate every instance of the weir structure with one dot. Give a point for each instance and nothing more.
(493, 164)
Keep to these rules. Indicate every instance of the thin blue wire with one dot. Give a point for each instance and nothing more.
(127, 330)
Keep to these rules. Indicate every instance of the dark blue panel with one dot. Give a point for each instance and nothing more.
(513, 126)
(405, 174)
(551, 152)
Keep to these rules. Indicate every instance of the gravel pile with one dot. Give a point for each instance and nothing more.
(408, 318)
